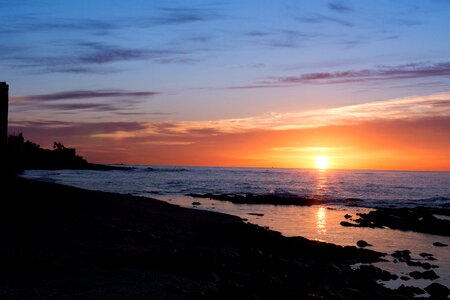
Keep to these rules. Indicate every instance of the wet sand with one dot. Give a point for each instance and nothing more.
(67, 243)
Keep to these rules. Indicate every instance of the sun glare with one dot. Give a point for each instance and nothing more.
(322, 162)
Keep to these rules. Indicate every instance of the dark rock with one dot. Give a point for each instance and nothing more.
(363, 244)
(195, 203)
(405, 278)
(274, 199)
(402, 255)
(424, 265)
(370, 271)
(438, 244)
(424, 254)
(410, 291)
(414, 219)
(437, 290)
(256, 214)
(431, 275)
(348, 224)
(347, 216)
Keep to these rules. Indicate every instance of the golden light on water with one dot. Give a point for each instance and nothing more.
(322, 162)
(321, 220)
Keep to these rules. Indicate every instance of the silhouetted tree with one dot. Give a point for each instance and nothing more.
(58, 146)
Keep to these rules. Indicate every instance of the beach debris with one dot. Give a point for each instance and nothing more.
(362, 244)
(347, 216)
(431, 275)
(439, 244)
(195, 203)
(438, 290)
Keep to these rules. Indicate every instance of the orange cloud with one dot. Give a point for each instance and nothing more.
(408, 133)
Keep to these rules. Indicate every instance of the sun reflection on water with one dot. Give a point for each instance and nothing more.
(321, 220)
(321, 184)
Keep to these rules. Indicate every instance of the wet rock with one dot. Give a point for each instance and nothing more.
(410, 291)
(274, 199)
(256, 214)
(370, 271)
(402, 255)
(195, 203)
(430, 275)
(362, 244)
(414, 219)
(347, 216)
(405, 278)
(438, 244)
(437, 290)
(424, 265)
(348, 224)
(424, 254)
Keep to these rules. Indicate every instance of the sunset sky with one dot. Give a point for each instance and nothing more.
(233, 83)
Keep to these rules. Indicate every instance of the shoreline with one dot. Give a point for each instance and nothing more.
(123, 246)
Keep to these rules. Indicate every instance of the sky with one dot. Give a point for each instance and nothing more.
(233, 83)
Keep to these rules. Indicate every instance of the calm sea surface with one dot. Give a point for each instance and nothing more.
(318, 222)
(374, 188)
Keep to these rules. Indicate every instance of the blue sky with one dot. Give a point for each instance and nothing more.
(216, 60)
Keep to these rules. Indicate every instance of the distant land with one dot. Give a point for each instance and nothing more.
(19, 154)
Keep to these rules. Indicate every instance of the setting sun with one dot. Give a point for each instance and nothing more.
(322, 162)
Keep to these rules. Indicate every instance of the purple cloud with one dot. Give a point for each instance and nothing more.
(417, 70)
(381, 73)
(88, 94)
(66, 129)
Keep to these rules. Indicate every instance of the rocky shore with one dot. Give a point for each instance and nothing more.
(273, 199)
(60, 242)
(420, 219)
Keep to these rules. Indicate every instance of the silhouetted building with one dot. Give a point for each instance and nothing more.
(3, 113)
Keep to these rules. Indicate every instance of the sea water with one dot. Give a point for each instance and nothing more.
(367, 189)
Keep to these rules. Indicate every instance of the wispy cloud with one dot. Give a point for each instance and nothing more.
(380, 73)
(414, 70)
(338, 7)
(174, 16)
(71, 102)
(408, 23)
(411, 108)
(70, 129)
(86, 94)
(309, 149)
(318, 18)
(88, 57)
(95, 54)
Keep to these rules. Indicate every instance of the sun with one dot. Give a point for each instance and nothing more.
(322, 162)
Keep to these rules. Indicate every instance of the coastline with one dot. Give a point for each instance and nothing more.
(65, 241)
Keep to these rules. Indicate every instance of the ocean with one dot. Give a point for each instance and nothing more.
(341, 191)
(371, 188)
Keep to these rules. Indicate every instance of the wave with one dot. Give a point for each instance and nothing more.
(166, 170)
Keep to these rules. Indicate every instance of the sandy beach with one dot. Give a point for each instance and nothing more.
(67, 243)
